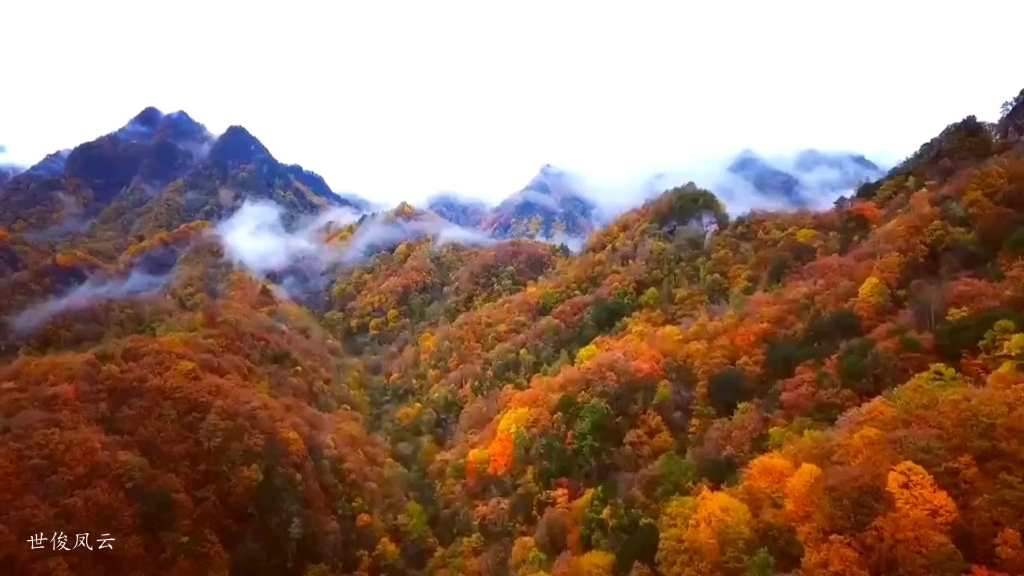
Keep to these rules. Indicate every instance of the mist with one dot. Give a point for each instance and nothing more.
(458, 196)
(8, 167)
(72, 220)
(575, 244)
(92, 292)
(615, 193)
(191, 136)
(256, 238)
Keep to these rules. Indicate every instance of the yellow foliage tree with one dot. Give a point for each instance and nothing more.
(428, 343)
(873, 291)
(765, 478)
(595, 563)
(514, 419)
(522, 549)
(375, 326)
(386, 551)
(586, 354)
(806, 235)
(801, 502)
(707, 534)
(477, 461)
(913, 537)
(915, 494)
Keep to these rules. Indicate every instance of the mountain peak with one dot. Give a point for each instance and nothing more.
(406, 212)
(405, 209)
(238, 145)
(550, 180)
(812, 159)
(551, 170)
(152, 126)
(460, 211)
(766, 178)
(746, 160)
(141, 127)
(549, 204)
(810, 155)
(149, 118)
(180, 126)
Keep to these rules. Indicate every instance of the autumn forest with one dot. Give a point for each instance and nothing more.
(830, 393)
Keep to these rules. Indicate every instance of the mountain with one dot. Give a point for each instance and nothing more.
(767, 179)
(160, 171)
(51, 166)
(853, 166)
(834, 172)
(548, 207)
(801, 181)
(6, 173)
(294, 388)
(554, 203)
(461, 212)
(151, 147)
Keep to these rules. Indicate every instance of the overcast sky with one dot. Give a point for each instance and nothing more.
(402, 99)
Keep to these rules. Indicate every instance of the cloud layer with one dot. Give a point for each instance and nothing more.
(92, 292)
(614, 194)
(255, 237)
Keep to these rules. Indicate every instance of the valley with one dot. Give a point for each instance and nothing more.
(232, 369)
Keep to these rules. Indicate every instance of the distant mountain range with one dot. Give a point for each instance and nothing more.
(460, 211)
(160, 171)
(555, 204)
(163, 170)
(810, 173)
(550, 206)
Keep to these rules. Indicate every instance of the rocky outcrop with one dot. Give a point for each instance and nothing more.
(1011, 127)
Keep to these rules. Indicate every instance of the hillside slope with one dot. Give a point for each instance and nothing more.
(809, 393)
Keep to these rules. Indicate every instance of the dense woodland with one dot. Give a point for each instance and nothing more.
(807, 393)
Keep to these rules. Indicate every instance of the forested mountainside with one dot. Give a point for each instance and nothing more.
(807, 393)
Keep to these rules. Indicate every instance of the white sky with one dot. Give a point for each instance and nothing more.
(397, 100)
